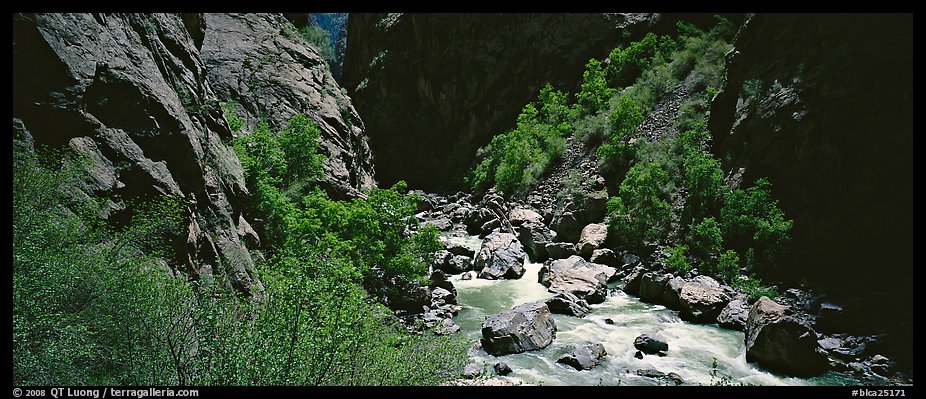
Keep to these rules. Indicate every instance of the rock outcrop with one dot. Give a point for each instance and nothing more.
(781, 342)
(585, 357)
(701, 299)
(464, 77)
(131, 92)
(261, 62)
(524, 328)
(822, 105)
(501, 256)
(588, 281)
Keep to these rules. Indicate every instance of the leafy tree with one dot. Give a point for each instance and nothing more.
(752, 220)
(641, 214)
(627, 64)
(677, 260)
(706, 238)
(594, 93)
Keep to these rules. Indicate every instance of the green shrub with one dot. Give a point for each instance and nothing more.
(641, 214)
(705, 238)
(754, 288)
(230, 112)
(628, 63)
(319, 40)
(594, 93)
(751, 220)
(593, 130)
(299, 142)
(514, 160)
(728, 266)
(677, 260)
(618, 153)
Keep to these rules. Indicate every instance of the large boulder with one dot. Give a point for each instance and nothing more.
(653, 286)
(670, 296)
(568, 304)
(501, 256)
(476, 219)
(532, 232)
(591, 238)
(560, 250)
(575, 215)
(701, 299)
(651, 343)
(524, 328)
(780, 342)
(633, 280)
(584, 358)
(606, 257)
(406, 295)
(575, 275)
(460, 249)
(734, 315)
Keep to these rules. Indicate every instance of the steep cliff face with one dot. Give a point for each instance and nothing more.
(335, 24)
(432, 88)
(822, 105)
(259, 61)
(131, 93)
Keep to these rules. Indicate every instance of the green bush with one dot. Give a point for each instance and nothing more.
(618, 153)
(751, 220)
(594, 93)
(728, 266)
(627, 64)
(754, 288)
(514, 160)
(641, 214)
(230, 112)
(677, 260)
(705, 238)
(593, 130)
(299, 142)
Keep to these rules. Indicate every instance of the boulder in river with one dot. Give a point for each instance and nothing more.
(701, 299)
(471, 371)
(532, 232)
(524, 328)
(442, 224)
(460, 249)
(582, 278)
(670, 378)
(651, 344)
(560, 250)
(501, 256)
(606, 257)
(734, 315)
(568, 304)
(670, 296)
(584, 358)
(591, 238)
(782, 343)
(502, 368)
(653, 286)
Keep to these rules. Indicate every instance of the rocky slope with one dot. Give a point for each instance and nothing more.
(822, 105)
(139, 95)
(131, 92)
(251, 59)
(433, 88)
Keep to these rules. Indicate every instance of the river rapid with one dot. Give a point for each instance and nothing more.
(699, 354)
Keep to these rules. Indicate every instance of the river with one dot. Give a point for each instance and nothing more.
(693, 348)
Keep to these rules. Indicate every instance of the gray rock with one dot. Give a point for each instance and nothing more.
(502, 368)
(476, 219)
(829, 343)
(471, 371)
(560, 250)
(460, 249)
(653, 286)
(442, 224)
(670, 379)
(633, 281)
(490, 226)
(606, 257)
(782, 343)
(446, 327)
(585, 357)
(532, 232)
(568, 304)
(734, 315)
(638, 355)
(670, 297)
(702, 299)
(577, 276)
(501, 256)
(524, 328)
(131, 92)
(591, 238)
(651, 343)
(440, 296)
(268, 74)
